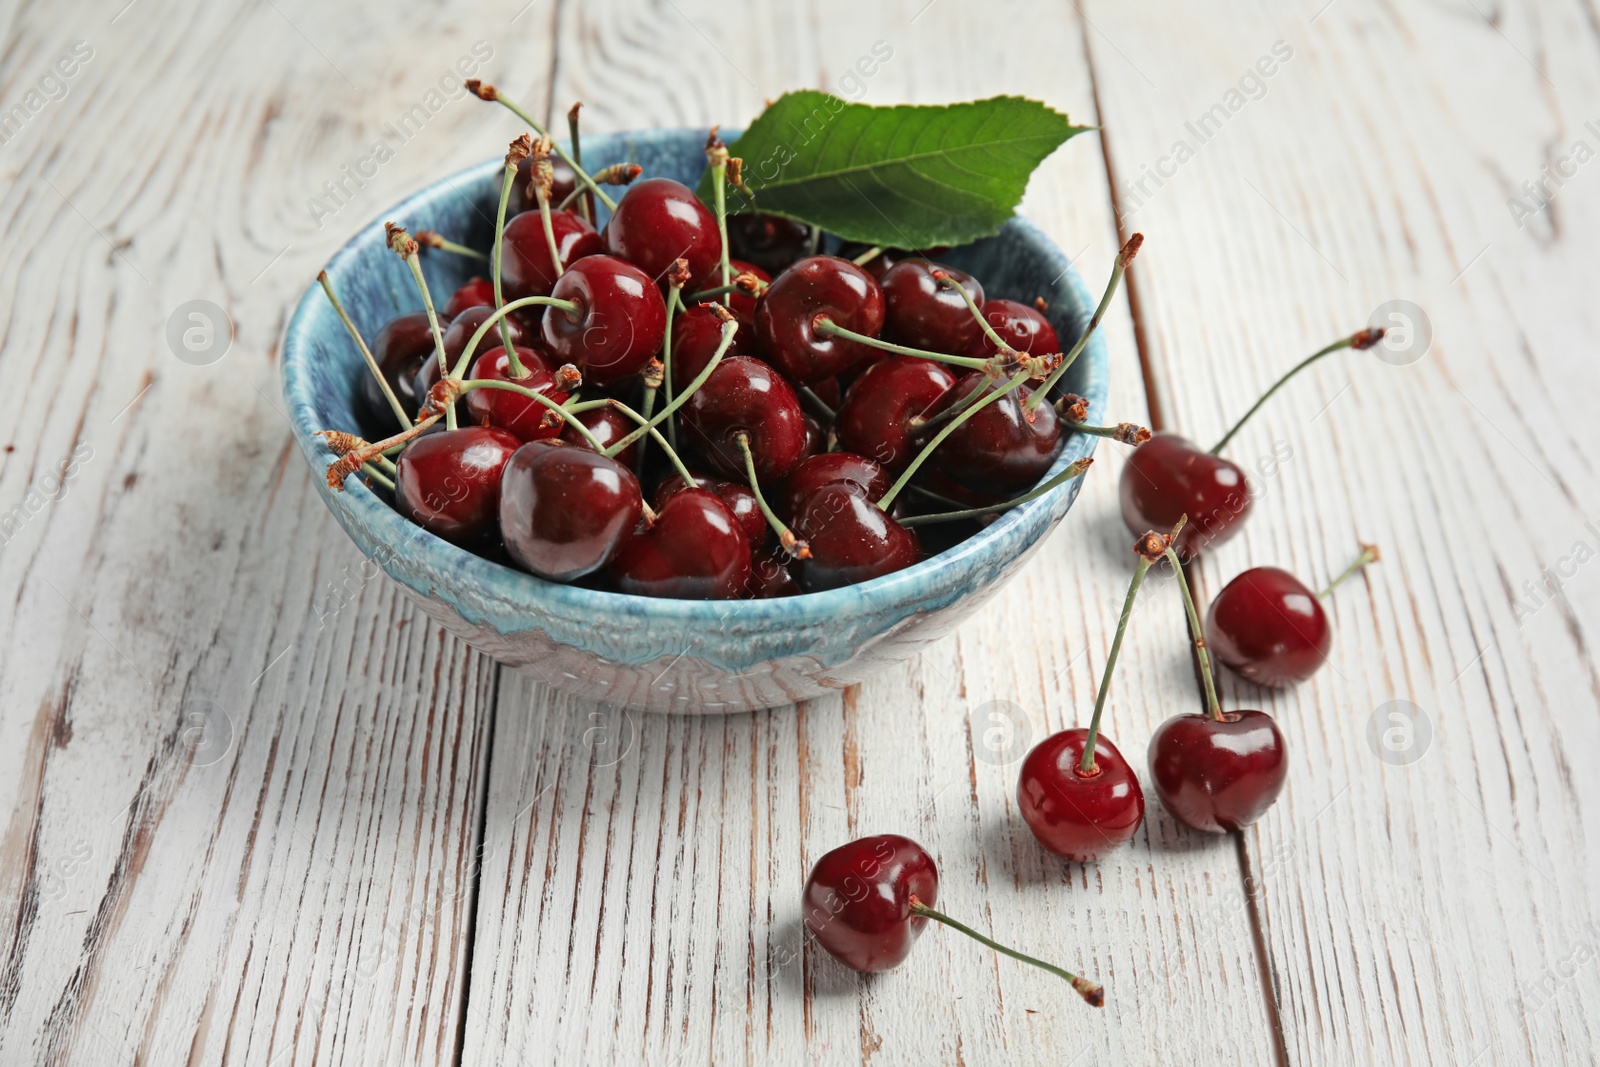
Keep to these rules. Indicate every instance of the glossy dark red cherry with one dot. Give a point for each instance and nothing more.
(818, 287)
(858, 900)
(740, 500)
(825, 468)
(1269, 628)
(1003, 448)
(742, 306)
(477, 292)
(523, 200)
(770, 242)
(464, 325)
(696, 336)
(695, 550)
(744, 395)
(874, 419)
(1079, 816)
(513, 411)
(922, 313)
(449, 482)
(659, 220)
(770, 577)
(619, 325)
(1218, 775)
(564, 510)
(851, 539)
(1024, 328)
(609, 426)
(525, 265)
(1167, 477)
(401, 348)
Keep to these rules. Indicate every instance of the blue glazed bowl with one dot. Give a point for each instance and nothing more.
(639, 652)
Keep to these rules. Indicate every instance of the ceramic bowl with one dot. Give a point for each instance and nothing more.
(639, 652)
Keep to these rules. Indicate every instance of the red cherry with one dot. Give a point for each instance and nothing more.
(770, 577)
(659, 220)
(858, 900)
(696, 336)
(525, 265)
(744, 395)
(742, 306)
(618, 327)
(999, 450)
(1023, 328)
(1269, 628)
(609, 426)
(741, 502)
(513, 411)
(1073, 814)
(564, 510)
(401, 348)
(1218, 775)
(449, 482)
(524, 200)
(1168, 477)
(814, 472)
(818, 287)
(851, 539)
(695, 550)
(464, 325)
(477, 292)
(769, 242)
(922, 313)
(874, 419)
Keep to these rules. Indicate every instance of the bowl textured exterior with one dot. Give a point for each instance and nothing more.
(643, 653)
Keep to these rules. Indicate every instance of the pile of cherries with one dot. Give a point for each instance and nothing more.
(686, 404)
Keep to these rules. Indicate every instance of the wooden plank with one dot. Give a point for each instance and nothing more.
(1439, 909)
(641, 886)
(244, 778)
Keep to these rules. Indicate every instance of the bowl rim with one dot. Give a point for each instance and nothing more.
(431, 554)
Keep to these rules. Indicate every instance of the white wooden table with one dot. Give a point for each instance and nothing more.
(263, 811)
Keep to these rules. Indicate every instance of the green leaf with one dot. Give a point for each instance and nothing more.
(904, 176)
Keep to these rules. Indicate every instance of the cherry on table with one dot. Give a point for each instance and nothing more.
(694, 550)
(744, 395)
(619, 323)
(526, 268)
(923, 313)
(564, 510)
(448, 482)
(851, 539)
(659, 220)
(1168, 477)
(814, 288)
(876, 417)
(1218, 775)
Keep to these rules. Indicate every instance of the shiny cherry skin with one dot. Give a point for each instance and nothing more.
(769, 242)
(858, 900)
(825, 468)
(695, 550)
(874, 419)
(999, 450)
(620, 322)
(608, 425)
(851, 539)
(1269, 628)
(742, 306)
(659, 220)
(1216, 775)
(1024, 328)
(770, 577)
(401, 348)
(564, 510)
(449, 482)
(696, 335)
(815, 287)
(1081, 817)
(522, 198)
(512, 411)
(1168, 477)
(922, 313)
(740, 500)
(477, 292)
(464, 325)
(525, 265)
(744, 395)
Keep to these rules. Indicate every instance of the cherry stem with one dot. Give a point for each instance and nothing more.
(433, 321)
(823, 324)
(919, 425)
(951, 427)
(433, 239)
(972, 305)
(516, 109)
(1086, 765)
(728, 330)
(366, 353)
(723, 290)
(549, 229)
(517, 369)
(649, 405)
(1362, 339)
(1075, 469)
(1213, 708)
(1124, 257)
(577, 158)
(674, 301)
(384, 463)
(868, 256)
(808, 393)
(1369, 554)
(354, 453)
(791, 544)
(644, 421)
(521, 390)
(719, 171)
(1126, 432)
(1092, 992)
(378, 476)
(488, 324)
